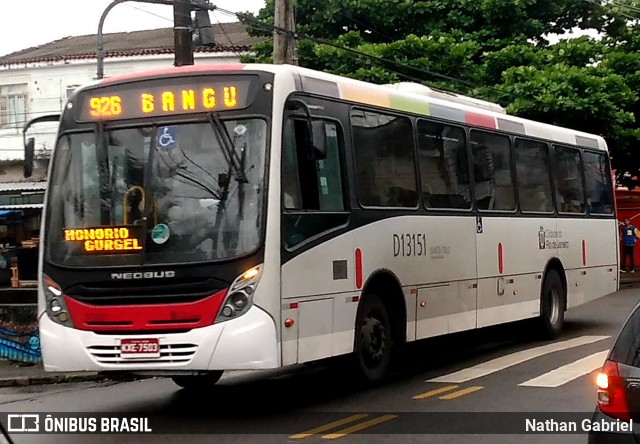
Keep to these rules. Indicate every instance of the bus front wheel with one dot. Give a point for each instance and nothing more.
(373, 339)
(198, 382)
(552, 303)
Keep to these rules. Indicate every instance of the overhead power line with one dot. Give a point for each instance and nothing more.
(298, 35)
(619, 5)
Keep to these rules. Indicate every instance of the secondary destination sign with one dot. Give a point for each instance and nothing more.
(164, 97)
(107, 240)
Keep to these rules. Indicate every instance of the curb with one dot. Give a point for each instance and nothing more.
(50, 379)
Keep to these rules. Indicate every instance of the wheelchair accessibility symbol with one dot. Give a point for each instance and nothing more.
(167, 137)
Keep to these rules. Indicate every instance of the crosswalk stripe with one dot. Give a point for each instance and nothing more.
(568, 372)
(486, 368)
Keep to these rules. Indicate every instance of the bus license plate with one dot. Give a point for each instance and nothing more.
(140, 348)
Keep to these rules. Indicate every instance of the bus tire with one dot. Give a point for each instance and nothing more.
(552, 303)
(198, 382)
(373, 339)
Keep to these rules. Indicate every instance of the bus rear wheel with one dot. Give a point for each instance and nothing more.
(552, 304)
(373, 339)
(198, 382)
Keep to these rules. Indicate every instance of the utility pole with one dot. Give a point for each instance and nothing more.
(284, 45)
(182, 32)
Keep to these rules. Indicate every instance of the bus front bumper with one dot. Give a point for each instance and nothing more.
(248, 342)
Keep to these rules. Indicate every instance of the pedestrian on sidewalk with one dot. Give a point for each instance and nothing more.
(630, 235)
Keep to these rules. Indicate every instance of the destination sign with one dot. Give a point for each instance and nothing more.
(164, 97)
(107, 239)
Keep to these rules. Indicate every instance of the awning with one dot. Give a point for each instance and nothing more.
(22, 186)
(22, 207)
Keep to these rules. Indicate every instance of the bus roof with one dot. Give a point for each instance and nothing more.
(456, 109)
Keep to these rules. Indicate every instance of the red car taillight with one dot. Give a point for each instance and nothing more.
(612, 397)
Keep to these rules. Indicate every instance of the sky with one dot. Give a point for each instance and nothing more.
(35, 22)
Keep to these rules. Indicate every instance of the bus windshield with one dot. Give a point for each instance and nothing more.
(157, 194)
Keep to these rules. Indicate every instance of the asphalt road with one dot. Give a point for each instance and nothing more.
(486, 382)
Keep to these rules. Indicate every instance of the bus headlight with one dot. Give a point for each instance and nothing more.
(240, 296)
(54, 300)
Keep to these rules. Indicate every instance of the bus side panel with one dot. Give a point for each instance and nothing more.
(318, 289)
(587, 249)
(433, 256)
(509, 287)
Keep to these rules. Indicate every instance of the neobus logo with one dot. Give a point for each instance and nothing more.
(145, 275)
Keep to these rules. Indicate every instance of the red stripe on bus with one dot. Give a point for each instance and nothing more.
(358, 268)
(584, 252)
(189, 69)
(177, 316)
(500, 258)
(480, 120)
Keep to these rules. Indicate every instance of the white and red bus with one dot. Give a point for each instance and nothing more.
(210, 218)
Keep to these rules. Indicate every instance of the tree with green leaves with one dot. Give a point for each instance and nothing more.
(497, 50)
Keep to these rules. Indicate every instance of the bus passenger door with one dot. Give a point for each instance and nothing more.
(317, 252)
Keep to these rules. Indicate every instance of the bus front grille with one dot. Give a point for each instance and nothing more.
(169, 353)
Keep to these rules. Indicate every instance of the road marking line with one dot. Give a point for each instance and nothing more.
(568, 372)
(361, 426)
(329, 426)
(460, 393)
(435, 392)
(486, 368)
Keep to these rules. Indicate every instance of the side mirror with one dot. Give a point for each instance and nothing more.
(29, 143)
(28, 156)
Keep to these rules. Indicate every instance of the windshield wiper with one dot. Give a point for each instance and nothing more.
(228, 148)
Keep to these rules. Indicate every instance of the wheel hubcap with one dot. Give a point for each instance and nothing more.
(372, 337)
(554, 306)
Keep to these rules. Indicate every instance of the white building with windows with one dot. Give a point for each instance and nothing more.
(37, 81)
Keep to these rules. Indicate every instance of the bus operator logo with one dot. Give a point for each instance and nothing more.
(144, 275)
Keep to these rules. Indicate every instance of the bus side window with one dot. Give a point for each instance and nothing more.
(312, 188)
(598, 183)
(568, 180)
(493, 185)
(385, 159)
(310, 184)
(290, 181)
(444, 167)
(533, 179)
